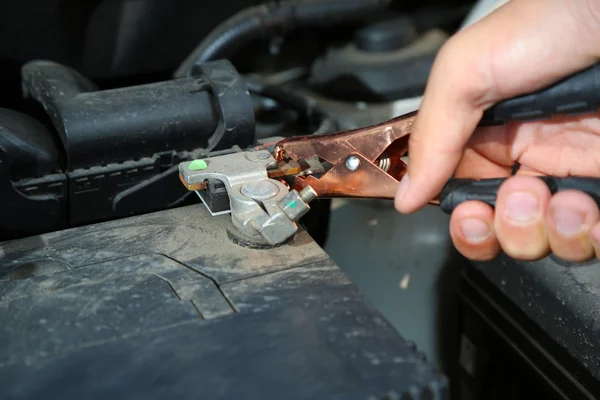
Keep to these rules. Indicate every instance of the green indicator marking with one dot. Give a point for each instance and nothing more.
(293, 204)
(197, 165)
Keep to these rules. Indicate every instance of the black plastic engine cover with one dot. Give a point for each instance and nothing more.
(112, 153)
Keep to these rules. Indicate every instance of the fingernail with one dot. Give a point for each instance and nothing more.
(568, 222)
(522, 206)
(474, 230)
(402, 187)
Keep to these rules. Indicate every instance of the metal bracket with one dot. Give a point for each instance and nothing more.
(260, 206)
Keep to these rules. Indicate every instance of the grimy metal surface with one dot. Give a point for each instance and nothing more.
(562, 299)
(164, 305)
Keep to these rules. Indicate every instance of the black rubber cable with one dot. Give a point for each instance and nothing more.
(297, 100)
(229, 36)
(267, 19)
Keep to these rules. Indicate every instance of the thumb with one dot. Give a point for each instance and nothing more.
(521, 47)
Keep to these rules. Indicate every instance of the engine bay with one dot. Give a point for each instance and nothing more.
(78, 150)
(124, 267)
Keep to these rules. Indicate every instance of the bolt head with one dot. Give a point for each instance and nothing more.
(352, 163)
(261, 190)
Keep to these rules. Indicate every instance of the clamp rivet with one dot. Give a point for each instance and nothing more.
(352, 163)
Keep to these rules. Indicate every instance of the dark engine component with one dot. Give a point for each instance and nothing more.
(115, 152)
(385, 61)
(109, 126)
(28, 153)
(387, 35)
(270, 19)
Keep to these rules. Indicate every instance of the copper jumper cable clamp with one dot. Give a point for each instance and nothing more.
(365, 163)
(270, 191)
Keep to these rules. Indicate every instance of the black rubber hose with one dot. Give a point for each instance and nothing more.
(296, 100)
(327, 125)
(263, 20)
(232, 34)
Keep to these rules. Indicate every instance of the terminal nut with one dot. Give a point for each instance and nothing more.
(293, 205)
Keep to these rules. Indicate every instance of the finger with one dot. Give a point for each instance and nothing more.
(445, 120)
(520, 218)
(475, 165)
(595, 237)
(471, 230)
(521, 47)
(572, 142)
(570, 217)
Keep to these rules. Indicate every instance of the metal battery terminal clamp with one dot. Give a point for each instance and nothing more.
(259, 205)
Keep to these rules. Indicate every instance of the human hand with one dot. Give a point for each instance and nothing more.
(522, 47)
